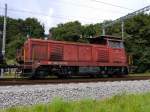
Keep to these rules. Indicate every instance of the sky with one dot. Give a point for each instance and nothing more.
(53, 12)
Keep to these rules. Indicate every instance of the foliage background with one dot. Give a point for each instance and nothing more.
(137, 35)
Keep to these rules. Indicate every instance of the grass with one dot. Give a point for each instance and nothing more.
(140, 74)
(118, 103)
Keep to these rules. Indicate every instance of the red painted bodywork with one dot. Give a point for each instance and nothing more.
(50, 52)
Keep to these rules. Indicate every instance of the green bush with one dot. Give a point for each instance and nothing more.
(118, 103)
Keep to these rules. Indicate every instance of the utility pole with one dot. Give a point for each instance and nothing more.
(0, 48)
(4, 32)
(103, 28)
(4, 39)
(122, 29)
(28, 28)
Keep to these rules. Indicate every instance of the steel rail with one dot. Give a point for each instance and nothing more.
(20, 81)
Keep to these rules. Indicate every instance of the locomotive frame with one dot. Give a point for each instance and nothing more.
(102, 55)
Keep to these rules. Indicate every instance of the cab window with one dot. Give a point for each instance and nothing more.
(115, 44)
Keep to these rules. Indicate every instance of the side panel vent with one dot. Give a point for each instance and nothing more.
(56, 52)
(102, 56)
(39, 52)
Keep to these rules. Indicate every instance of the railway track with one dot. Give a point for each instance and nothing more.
(19, 81)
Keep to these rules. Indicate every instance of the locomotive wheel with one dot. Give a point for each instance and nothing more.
(99, 75)
(40, 73)
(63, 72)
(58, 75)
(92, 75)
(63, 76)
(26, 73)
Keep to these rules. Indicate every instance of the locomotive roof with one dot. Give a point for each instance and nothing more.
(91, 40)
(106, 37)
(109, 37)
(55, 41)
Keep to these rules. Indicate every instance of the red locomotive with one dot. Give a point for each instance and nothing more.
(102, 55)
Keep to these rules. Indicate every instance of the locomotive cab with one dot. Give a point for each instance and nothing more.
(111, 49)
(110, 41)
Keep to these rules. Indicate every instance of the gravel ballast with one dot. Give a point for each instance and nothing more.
(33, 94)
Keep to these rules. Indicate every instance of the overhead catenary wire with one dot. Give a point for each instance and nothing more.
(73, 3)
(98, 1)
(123, 18)
(46, 15)
(43, 14)
(68, 18)
(142, 10)
(90, 7)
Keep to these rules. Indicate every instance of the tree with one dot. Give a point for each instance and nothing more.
(138, 42)
(14, 45)
(17, 30)
(33, 28)
(70, 31)
(137, 35)
(88, 30)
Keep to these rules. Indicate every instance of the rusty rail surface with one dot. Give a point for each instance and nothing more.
(20, 81)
